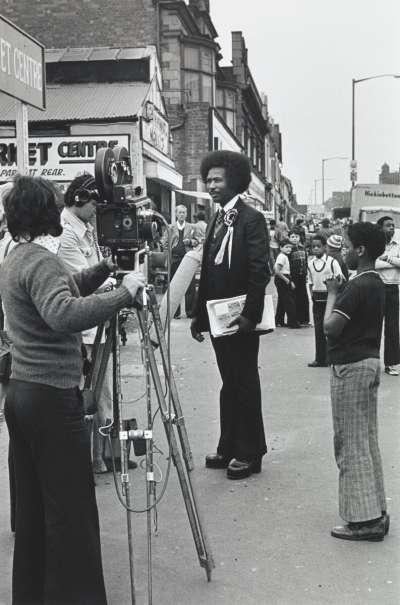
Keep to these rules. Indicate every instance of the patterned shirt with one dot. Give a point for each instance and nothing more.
(298, 262)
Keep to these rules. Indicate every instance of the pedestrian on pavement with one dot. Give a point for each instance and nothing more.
(79, 250)
(273, 242)
(200, 227)
(388, 267)
(320, 268)
(235, 262)
(181, 240)
(334, 246)
(353, 325)
(285, 287)
(57, 555)
(298, 271)
(301, 230)
(325, 228)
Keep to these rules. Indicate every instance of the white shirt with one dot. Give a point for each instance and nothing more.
(320, 269)
(282, 264)
(229, 205)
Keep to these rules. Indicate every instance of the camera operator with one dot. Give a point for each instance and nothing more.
(79, 250)
(57, 554)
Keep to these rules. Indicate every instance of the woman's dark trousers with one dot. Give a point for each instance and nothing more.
(242, 427)
(57, 556)
(286, 303)
(320, 338)
(391, 347)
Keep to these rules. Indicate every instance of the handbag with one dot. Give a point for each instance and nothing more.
(89, 399)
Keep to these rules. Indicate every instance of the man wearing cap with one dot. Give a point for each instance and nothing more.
(388, 267)
(334, 249)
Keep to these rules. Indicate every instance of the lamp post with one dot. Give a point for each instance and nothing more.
(353, 142)
(315, 187)
(336, 157)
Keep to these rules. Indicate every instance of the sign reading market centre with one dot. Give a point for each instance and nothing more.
(22, 65)
(57, 158)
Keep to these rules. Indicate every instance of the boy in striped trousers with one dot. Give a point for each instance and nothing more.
(353, 326)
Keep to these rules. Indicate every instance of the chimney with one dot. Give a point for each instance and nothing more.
(239, 57)
(201, 5)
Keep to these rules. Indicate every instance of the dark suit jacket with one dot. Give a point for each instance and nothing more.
(249, 271)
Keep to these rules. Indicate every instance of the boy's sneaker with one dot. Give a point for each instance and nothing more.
(391, 371)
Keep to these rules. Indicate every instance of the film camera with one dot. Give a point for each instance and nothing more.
(125, 220)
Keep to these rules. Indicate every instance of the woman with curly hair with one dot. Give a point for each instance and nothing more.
(57, 556)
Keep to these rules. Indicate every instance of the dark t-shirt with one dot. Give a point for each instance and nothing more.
(362, 303)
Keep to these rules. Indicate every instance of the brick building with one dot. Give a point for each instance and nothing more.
(208, 106)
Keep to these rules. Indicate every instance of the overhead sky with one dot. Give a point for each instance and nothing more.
(304, 54)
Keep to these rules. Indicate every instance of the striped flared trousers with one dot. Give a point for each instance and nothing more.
(354, 390)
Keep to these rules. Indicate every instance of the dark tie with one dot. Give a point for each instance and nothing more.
(219, 222)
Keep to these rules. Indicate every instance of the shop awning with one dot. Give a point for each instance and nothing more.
(163, 173)
(83, 102)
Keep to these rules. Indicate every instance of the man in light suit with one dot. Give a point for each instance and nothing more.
(182, 238)
(231, 269)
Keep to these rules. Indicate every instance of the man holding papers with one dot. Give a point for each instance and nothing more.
(235, 262)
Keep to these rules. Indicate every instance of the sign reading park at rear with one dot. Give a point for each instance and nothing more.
(57, 158)
(22, 65)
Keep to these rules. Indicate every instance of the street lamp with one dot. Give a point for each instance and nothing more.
(336, 157)
(354, 82)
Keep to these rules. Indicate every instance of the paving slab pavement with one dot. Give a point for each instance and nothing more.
(269, 534)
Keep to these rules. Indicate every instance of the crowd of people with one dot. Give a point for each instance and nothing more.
(54, 287)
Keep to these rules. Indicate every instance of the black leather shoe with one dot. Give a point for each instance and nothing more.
(216, 461)
(315, 364)
(240, 469)
(371, 533)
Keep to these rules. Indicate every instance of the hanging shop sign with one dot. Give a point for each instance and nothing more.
(22, 65)
(57, 158)
(155, 129)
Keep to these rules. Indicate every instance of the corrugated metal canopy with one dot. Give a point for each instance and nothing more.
(80, 102)
(97, 53)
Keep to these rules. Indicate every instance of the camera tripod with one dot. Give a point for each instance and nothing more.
(173, 421)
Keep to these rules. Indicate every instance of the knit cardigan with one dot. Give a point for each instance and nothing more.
(47, 307)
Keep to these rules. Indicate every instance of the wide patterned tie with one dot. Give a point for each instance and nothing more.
(219, 222)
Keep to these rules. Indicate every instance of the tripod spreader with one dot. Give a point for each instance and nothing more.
(135, 434)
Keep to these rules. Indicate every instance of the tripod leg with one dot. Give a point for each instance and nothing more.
(112, 346)
(179, 420)
(199, 536)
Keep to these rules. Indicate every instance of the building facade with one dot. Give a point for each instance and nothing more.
(208, 106)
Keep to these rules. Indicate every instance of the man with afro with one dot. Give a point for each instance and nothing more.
(235, 262)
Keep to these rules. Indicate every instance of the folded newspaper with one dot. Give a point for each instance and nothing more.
(224, 310)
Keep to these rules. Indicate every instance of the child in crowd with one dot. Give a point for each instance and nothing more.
(353, 325)
(285, 288)
(334, 246)
(298, 272)
(320, 267)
